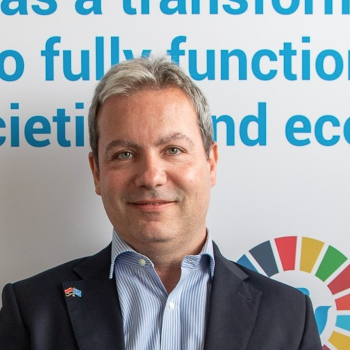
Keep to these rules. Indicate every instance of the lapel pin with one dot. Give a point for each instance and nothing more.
(72, 292)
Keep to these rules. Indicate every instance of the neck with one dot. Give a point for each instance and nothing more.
(167, 261)
(169, 275)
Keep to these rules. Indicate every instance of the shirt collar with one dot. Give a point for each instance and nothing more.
(119, 246)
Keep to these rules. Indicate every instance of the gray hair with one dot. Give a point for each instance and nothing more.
(135, 75)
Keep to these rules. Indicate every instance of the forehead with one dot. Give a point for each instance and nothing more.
(149, 96)
(148, 105)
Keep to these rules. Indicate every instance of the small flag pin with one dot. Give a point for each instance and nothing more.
(72, 292)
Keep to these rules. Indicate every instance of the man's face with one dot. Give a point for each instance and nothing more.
(153, 175)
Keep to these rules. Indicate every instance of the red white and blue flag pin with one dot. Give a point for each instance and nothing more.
(72, 292)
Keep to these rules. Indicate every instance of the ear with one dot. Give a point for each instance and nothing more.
(95, 173)
(213, 160)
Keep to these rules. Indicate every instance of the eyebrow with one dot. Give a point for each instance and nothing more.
(122, 143)
(161, 141)
(172, 137)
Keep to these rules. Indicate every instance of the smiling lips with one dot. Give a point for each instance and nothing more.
(152, 204)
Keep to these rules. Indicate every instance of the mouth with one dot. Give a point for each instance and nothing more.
(152, 205)
(152, 202)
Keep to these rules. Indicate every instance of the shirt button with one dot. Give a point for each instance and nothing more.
(142, 262)
(172, 305)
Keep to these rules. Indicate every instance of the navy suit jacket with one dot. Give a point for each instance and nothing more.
(247, 311)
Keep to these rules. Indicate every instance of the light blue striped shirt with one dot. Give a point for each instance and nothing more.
(152, 318)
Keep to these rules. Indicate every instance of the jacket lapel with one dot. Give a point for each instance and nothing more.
(233, 307)
(93, 305)
(97, 321)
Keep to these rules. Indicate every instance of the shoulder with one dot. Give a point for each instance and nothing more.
(267, 284)
(280, 305)
(53, 275)
(271, 290)
(50, 281)
(39, 292)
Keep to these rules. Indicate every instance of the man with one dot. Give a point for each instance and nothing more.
(162, 283)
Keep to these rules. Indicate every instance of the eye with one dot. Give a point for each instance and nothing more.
(124, 155)
(174, 150)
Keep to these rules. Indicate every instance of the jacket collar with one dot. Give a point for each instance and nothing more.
(96, 315)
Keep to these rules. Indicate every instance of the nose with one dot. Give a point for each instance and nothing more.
(151, 172)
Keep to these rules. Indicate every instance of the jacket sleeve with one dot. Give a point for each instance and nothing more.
(13, 332)
(311, 339)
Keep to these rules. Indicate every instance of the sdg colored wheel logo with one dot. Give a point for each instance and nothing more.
(318, 270)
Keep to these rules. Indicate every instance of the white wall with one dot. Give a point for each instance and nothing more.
(48, 210)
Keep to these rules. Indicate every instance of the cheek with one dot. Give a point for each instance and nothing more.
(111, 186)
(185, 177)
(115, 178)
(193, 179)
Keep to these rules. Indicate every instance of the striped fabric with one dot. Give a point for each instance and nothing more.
(154, 320)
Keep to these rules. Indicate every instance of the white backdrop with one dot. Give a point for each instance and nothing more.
(49, 212)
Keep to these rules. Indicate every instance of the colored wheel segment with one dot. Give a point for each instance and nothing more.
(281, 254)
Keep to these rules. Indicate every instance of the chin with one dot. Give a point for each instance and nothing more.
(156, 234)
